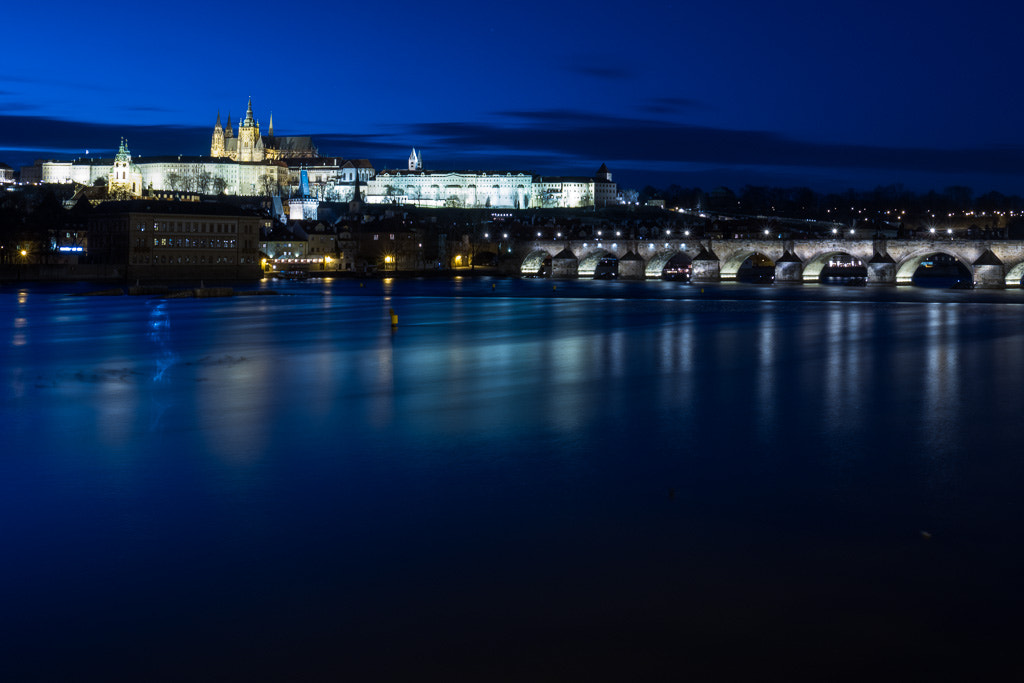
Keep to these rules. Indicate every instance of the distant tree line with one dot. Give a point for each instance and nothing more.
(804, 202)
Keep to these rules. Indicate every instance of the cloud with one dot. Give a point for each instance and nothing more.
(16, 106)
(589, 136)
(670, 105)
(44, 135)
(148, 108)
(77, 84)
(607, 73)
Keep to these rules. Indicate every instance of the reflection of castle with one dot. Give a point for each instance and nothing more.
(249, 145)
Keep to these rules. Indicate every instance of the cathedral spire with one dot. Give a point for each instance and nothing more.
(271, 131)
(218, 120)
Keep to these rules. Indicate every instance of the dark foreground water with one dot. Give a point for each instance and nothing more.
(603, 481)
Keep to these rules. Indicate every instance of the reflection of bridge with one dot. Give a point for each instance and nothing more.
(991, 263)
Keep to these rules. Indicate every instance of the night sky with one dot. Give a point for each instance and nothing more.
(728, 93)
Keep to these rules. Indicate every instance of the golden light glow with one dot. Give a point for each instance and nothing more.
(24, 253)
(458, 259)
(389, 259)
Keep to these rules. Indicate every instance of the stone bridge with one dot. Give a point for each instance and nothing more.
(991, 263)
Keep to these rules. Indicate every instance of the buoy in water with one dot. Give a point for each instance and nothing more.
(394, 318)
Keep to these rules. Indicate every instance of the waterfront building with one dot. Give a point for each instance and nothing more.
(6, 174)
(278, 243)
(170, 240)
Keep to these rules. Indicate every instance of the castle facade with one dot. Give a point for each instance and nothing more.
(249, 145)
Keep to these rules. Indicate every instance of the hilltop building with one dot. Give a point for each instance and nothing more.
(251, 146)
(488, 190)
(124, 179)
(252, 164)
(303, 207)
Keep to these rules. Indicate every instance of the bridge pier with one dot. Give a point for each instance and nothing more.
(632, 267)
(881, 270)
(789, 268)
(705, 267)
(565, 265)
(989, 272)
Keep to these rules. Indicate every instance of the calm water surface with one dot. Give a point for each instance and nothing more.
(525, 480)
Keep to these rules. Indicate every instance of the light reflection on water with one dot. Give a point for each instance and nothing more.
(293, 460)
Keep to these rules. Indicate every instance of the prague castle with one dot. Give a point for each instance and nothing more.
(247, 162)
(249, 145)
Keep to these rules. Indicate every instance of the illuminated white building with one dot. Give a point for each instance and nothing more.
(198, 174)
(330, 179)
(461, 189)
(486, 190)
(124, 177)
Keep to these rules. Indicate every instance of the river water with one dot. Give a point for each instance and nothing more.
(524, 480)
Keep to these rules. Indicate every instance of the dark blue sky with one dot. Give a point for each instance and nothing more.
(790, 93)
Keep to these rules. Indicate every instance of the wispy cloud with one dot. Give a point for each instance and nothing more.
(589, 136)
(670, 105)
(607, 73)
(16, 106)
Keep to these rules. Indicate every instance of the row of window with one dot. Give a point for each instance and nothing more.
(185, 242)
(190, 226)
(190, 260)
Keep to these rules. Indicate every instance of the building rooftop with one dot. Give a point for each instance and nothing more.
(173, 207)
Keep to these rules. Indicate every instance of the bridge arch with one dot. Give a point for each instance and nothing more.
(906, 268)
(732, 265)
(533, 262)
(656, 264)
(817, 263)
(1014, 275)
(588, 264)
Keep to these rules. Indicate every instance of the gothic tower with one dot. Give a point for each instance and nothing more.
(415, 161)
(217, 146)
(250, 145)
